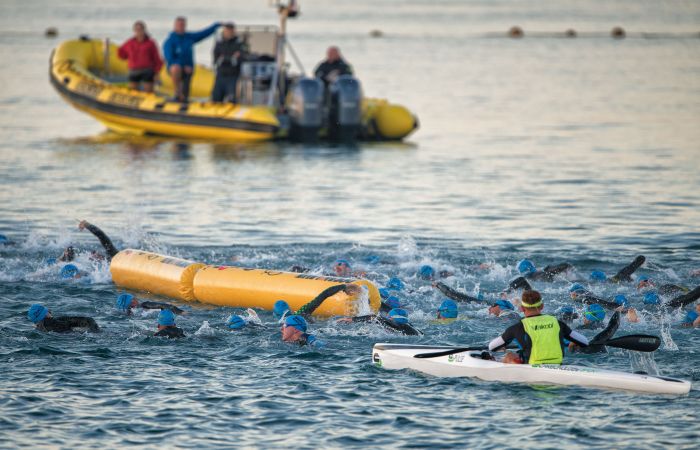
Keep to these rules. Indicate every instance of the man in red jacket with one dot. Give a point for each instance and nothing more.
(143, 59)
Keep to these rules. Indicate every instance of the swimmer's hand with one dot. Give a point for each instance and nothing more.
(344, 320)
(83, 224)
(352, 290)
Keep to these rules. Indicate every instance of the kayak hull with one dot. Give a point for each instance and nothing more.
(470, 365)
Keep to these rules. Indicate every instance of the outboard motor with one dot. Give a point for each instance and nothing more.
(345, 108)
(305, 106)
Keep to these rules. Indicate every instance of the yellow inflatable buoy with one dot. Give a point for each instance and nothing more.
(259, 288)
(150, 272)
(393, 121)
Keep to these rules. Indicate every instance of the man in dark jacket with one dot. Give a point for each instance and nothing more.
(333, 67)
(229, 53)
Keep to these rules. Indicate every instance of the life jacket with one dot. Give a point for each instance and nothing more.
(543, 332)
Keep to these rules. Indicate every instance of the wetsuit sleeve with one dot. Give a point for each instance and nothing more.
(589, 299)
(684, 300)
(205, 33)
(556, 270)
(512, 333)
(68, 323)
(573, 336)
(404, 328)
(455, 295)
(310, 307)
(104, 240)
(520, 283)
(160, 305)
(361, 319)
(625, 272)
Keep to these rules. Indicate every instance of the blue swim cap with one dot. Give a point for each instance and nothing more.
(3, 239)
(342, 261)
(504, 304)
(598, 275)
(166, 318)
(526, 266)
(448, 309)
(279, 308)
(621, 300)
(69, 271)
(642, 278)
(395, 284)
(124, 301)
(690, 317)
(51, 261)
(651, 298)
(594, 313)
(576, 287)
(398, 316)
(236, 322)
(566, 310)
(372, 259)
(393, 302)
(384, 292)
(37, 313)
(297, 322)
(426, 272)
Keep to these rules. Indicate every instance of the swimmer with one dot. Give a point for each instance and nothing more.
(625, 274)
(236, 322)
(624, 307)
(281, 308)
(41, 317)
(503, 309)
(448, 311)
(567, 314)
(456, 295)
(343, 269)
(593, 317)
(644, 283)
(519, 283)
(396, 320)
(390, 303)
(126, 302)
(294, 330)
(692, 318)
(167, 327)
(528, 270)
(69, 253)
(581, 295)
(70, 271)
(427, 272)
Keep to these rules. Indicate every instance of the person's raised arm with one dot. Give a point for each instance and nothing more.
(309, 308)
(205, 33)
(99, 234)
(588, 299)
(684, 300)
(455, 295)
(625, 272)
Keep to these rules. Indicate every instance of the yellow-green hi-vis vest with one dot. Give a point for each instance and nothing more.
(544, 335)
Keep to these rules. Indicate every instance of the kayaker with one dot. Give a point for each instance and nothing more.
(527, 269)
(395, 320)
(281, 308)
(143, 59)
(332, 67)
(229, 54)
(541, 337)
(41, 317)
(294, 330)
(69, 253)
(167, 327)
(178, 50)
(127, 302)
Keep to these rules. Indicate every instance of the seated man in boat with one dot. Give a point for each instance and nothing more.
(229, 53)
(167, 327)
(143, 59)
(43, 320)
(332, 67)
(540, 336)
(178, 50)
(294, 330)
(127, 302)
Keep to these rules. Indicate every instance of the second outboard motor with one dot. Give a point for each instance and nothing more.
(345, 109)
(305, 105)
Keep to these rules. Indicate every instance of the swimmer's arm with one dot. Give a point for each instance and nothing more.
(160, 305)
(684, 300)
(589, 299)
(309, 308)
(81, 322)
(104, 239)
(625, 272)
(368, 318)
(455, 295)
(556, 270)
(520, 283)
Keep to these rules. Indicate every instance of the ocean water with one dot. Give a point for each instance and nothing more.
(582, 150)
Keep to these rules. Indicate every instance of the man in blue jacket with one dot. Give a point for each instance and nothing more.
(178, 50)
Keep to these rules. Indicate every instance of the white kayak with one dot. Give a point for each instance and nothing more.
(470, 364)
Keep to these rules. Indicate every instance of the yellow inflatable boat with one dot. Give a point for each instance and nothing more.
(234, 286)
(273, 103)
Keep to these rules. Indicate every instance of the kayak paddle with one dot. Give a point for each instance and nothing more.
(635, 342)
